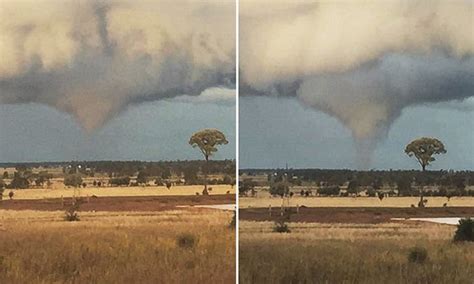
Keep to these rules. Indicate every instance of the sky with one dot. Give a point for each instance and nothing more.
(151, 132)
(348, 84)
(276, 131)
(327, 84)
(115, 80)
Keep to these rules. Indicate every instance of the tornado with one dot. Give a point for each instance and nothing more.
(362, 62)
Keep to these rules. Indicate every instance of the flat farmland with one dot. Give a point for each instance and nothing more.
(266, 201)
(119, 203)
(355, 215)
(182, 190)
(173, 246)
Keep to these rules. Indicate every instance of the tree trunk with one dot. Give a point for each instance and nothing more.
(205, 172)
(422, 203)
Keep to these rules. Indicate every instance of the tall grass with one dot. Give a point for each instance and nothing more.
(119, 249)
(356, 258)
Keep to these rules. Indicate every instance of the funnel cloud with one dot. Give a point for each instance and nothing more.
(362, 62)
(93, 59)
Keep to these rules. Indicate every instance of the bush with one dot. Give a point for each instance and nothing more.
(120, 181)
(417, 255)
(279, 188)
(227, 180)
(329, 191)
(19, 182)
(186, 241)
(73, 180)
(280, 224)
(71, 213)
(281, 227)
(465, 231)
(246, 185)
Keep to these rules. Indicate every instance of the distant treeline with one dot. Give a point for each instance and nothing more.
(446, 178)
(129, 168)
(373, 183)
(119, 172)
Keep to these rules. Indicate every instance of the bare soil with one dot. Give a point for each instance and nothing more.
(357, 215)
(135, 203)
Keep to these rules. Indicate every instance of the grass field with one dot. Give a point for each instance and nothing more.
(349, 253)
(118, 191)
(117, 247)
(257, 202)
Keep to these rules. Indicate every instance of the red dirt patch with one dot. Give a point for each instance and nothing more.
(357, 215)
(135, 203)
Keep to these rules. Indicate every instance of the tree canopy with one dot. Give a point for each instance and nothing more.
(207, 141)
(423, 150)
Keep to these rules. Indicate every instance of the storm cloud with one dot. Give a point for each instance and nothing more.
(92, 59)
(361, 62)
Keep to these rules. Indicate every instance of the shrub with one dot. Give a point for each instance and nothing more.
(19, 182)
(465, 231)
(281, 227)
(73, 180)
(280, 224)
(227, 180)
(329, 191)
(71, 212)
(279, 188)
(417, 255)
(120, 181)
(246, 185)
(186, 241)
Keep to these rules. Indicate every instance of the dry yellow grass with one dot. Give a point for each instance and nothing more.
(263, 231)
(349, 253)
(256, 202)
(116, 247)
(117, 191)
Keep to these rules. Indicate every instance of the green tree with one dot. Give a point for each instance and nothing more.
(353, 187)
(166, 173)
(423, 150)
(404, 186)
(246, 185)
(142, 177)
(280, 188)
(227, 180)
(119, 181)
(19, 181)
(73, 180)
(5, 175)
(190, 175)
(43, 177)
(207, 141)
